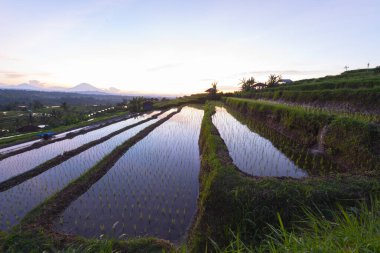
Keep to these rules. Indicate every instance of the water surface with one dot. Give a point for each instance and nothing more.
(16, 202)
(250, 152)
(151, 191)
(17, 164)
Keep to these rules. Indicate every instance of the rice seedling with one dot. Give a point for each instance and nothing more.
(19, 200)
(17, 164)
(154, 178)
(252, 153)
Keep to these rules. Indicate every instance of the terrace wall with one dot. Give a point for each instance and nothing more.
(353, 144)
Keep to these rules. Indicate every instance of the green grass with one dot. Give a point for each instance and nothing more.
(353, 144)
(355, 79)
(356, 102)
(348, 230)
(38, 241)
(231, 204)
(193, 99)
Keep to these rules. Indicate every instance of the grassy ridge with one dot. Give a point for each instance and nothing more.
(193, 99)
(231, 202)
(354, 144)
(355, 79)
(358, 99)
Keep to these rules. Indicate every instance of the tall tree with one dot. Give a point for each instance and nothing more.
(273, 80)
(64, 106)
(135, 104)
(247, 84)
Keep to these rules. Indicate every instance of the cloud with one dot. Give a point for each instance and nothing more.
(228, 88)
(18, 75)
(161, 67)
(6, 57)
(14, 75)
(278, 72)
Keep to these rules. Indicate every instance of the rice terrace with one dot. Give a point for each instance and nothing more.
(238, 158)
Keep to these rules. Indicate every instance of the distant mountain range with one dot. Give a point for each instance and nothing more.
(83, 88)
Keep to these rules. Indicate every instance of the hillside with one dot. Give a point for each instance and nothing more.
(356, 91)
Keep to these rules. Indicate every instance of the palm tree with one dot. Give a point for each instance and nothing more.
(135, 104)
(64, 106)
(247, 84)
(273, 80)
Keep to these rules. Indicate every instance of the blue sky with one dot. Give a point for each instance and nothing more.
(182, 46)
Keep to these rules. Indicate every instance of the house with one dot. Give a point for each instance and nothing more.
(211, 90)
(259, 86)
(147, 105)
(28, 128)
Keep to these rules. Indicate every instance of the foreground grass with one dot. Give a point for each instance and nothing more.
(193, 99)
(348, 230)
(38, 241)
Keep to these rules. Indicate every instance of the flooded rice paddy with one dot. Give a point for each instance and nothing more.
(17, 164)
(16, 202)
(152, 189)
(250, 152)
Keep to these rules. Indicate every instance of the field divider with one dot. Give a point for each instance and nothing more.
(43, 215)
(16, 180)
(68, 136)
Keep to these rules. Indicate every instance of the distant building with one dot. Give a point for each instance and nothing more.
(29, 128)
(211, 90)
(285, 81)
(259, 86)
(147, 105)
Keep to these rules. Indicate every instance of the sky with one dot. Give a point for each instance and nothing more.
(181, 47)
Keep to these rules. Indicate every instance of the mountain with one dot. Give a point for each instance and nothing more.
(85, 87)
(23, 86)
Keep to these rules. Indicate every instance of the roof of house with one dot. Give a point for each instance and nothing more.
(210, 90)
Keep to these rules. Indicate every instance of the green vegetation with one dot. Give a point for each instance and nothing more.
(367, 100)
(353, 144)
(193, 99)
(352, 229)
(34, 234)
(354, 79)
(329, 211)
(353, 92)
(19, 138)
(38, 241)
(231, 204)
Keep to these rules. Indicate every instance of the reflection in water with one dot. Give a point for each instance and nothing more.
(16, 202)
(250, 152)
(151, 191)
(17, 164)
